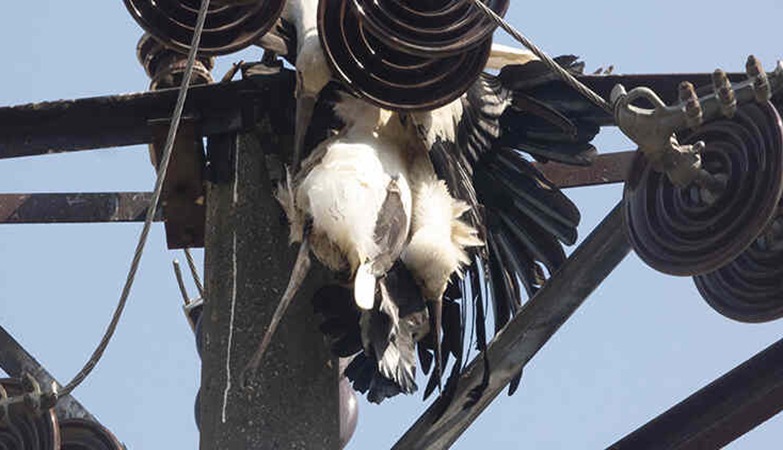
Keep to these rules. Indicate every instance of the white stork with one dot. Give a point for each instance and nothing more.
(390, 201)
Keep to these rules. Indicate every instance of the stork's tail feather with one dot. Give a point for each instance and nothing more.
(384, 337)
(340, 319)
(363, 373)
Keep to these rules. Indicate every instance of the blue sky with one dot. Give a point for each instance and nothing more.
(640, 344)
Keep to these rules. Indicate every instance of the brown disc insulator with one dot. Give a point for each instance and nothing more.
(692, 231)
(428, 28)
(750, 288)
(165, 67)
(386, 75)
(24, 427)
(80, 434)
(229, 27)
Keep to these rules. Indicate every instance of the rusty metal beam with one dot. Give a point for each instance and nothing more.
(184, 191)
(121, 120)
(721, 412)
(606, 169)
(16, 361)
(75, 207)
(449, 416)
(132, 206)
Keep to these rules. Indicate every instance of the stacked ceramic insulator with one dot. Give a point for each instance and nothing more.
(33, 425)
(407, 54)
(230, 25)
(165, 67)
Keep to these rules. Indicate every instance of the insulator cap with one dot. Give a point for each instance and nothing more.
(230, 25)
(165, 67)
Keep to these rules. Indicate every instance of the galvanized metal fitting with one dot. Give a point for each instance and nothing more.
(724, 93)
(35, 398)
(758, 77)
(165, 67)
(694, 115)
(653, 131)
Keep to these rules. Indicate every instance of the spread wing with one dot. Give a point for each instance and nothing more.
(482, 146)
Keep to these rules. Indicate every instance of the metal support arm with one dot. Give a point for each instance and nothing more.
(523, 337)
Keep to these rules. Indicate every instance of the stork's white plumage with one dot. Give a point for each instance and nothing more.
(394, 201)
(354, 190)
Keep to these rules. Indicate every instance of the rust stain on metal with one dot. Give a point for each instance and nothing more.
(9, 204)
(184, 189)
(606, 169)
(74, 207)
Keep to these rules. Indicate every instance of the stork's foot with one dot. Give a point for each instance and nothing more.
(477, 392)
(475, 395)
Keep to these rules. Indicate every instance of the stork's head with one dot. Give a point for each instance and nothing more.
(312, 69)
(312, 75)
(431, 262)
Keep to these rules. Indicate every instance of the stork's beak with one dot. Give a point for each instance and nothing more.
(364, 287)
(298, 274)
(305, 105)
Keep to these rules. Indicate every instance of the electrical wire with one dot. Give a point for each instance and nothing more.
(194, 273)
(555, 67)
(164, 163)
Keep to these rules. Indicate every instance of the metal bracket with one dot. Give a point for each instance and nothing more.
(653, 130)
(35, 398)
(184, 190)
(192, 306)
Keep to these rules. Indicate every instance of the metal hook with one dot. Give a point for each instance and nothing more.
(191, 304)
(180, 282)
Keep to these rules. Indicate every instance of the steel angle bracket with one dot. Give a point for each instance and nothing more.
(184, 189)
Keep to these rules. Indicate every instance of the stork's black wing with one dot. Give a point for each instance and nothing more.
(478, 147)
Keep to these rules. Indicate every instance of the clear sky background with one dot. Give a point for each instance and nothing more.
(640, 344)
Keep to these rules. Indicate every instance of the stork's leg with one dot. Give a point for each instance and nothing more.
(437, 248)
(436, 312)
(298, 274)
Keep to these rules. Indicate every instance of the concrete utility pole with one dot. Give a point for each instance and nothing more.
(294, 400)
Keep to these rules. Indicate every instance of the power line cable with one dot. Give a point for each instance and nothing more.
(555, 67)
(164, 164)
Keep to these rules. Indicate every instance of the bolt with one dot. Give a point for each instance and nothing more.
(722, 87)
(693, 112)
(757, 74)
